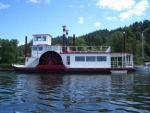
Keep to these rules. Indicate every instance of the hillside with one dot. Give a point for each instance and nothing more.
(114, 38)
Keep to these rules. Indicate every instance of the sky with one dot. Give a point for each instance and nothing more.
(20, 18)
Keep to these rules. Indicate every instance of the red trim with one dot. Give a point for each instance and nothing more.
(98, 69)
(50, 67)
(85, 53)
(42, 35)
(121, 52)
(146, 60)
(63, 67)
(95, 53)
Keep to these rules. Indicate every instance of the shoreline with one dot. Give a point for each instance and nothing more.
(7, 69)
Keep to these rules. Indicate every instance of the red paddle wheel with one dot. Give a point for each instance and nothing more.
(50, 62)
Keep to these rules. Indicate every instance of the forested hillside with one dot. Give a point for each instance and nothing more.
(114, 38)
(10, 53)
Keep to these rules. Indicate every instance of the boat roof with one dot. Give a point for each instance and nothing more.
(42, 35)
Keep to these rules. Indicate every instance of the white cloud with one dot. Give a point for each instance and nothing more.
(97, 24)
(21, 43)
(118, 5)
(81, 20)
(140, 7)
(137, 10)
(126, 15)
(3, 6)
(127, 8)
(111, 18)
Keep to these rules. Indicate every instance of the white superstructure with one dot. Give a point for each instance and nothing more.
(44, 55)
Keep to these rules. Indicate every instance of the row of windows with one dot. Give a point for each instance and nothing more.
(90, 58)
(37, 48)
(40, 38)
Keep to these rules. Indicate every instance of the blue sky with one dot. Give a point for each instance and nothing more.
(19, 18)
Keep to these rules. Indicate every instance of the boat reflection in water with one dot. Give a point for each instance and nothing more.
(126, 80)
(79, 93)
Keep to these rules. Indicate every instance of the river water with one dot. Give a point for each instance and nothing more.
(37, 93)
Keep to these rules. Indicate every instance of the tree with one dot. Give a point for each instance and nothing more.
(130, 41)
(9, 51)
(116, 41)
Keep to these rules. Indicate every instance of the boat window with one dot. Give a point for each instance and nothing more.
(35, 39)
(68, 60)
(90, 58)
(44, 48)
(40, 48)
(34, 48)
(49, 48)
(101, 58)
(55, 48)
(38, 38)
(44, 38)
(79, 58)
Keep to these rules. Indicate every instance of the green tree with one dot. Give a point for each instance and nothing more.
(98, 40)
(8, 51)
(116, 41)
(130, 41)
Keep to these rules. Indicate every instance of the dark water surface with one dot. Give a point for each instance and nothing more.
(37, 93)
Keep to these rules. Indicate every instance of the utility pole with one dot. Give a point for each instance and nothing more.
(124, 35)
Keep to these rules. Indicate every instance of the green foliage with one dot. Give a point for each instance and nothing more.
(8, 51)
(5, 65)
(20, 60)
(116, 41)
(130, 41)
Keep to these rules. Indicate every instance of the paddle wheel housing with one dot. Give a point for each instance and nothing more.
(50, 62)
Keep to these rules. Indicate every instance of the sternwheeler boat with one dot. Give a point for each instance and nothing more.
(48, 58)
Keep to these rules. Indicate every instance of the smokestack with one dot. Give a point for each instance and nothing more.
(64, 38)
(26, 46)
(67, 39)
(74, 42)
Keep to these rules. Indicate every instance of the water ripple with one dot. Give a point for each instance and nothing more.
(23, 93)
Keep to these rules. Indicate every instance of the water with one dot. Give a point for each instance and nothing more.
(36, 93)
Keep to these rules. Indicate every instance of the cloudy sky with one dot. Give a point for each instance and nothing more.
(19, 18)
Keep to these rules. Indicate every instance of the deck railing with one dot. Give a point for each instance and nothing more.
(74, 49)
(88, 48)
(120, 64)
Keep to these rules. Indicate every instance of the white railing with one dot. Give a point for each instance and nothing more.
(88, 48)
(120, 64)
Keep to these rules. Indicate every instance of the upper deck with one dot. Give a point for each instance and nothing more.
(38, 50)
(86, 49)
(42, 43)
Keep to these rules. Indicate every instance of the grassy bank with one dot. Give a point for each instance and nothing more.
(6, 67)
